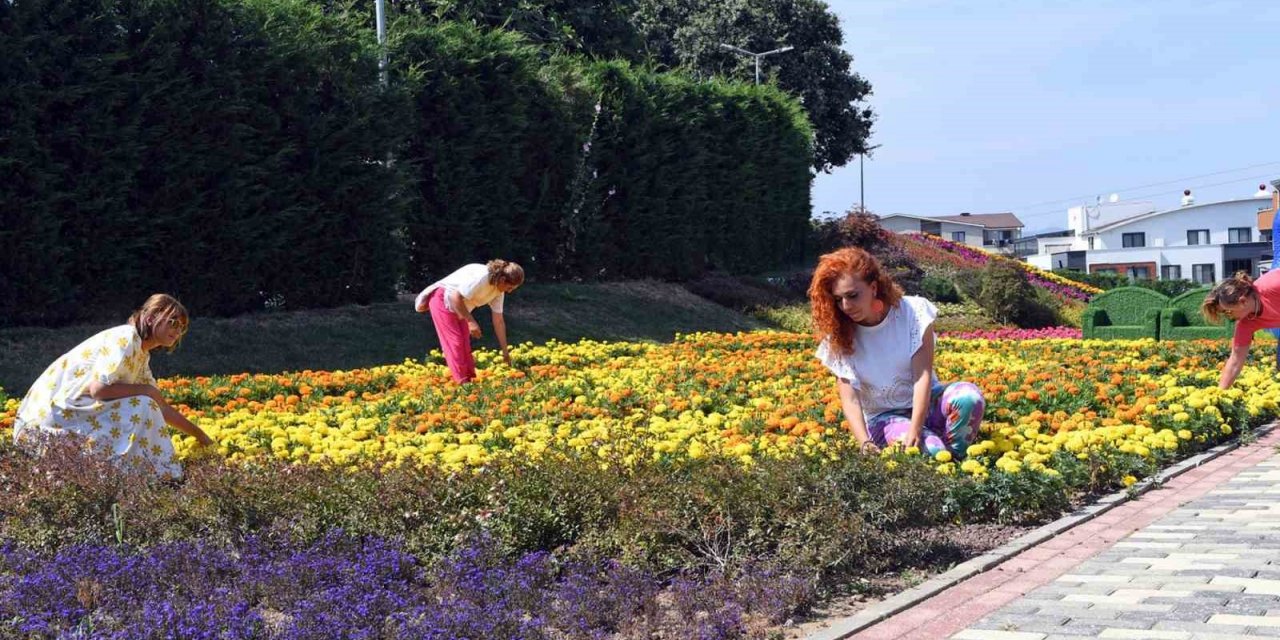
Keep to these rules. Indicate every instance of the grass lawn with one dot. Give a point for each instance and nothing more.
(356, 336)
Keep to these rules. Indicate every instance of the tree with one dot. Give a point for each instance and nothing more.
(598, 29)
(688, 33)
(861, 229)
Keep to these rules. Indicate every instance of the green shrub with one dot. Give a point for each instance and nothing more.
(1010, 298)
(1070, 314)
(823, 518)
(939, 289)
(1171, 288)
(1010, 498)
(743, 293)
(968, 283)
(796, 318)
(1107, 281)
(1102, 281)
(962, 317)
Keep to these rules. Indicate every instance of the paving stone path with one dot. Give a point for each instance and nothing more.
(1198, 559)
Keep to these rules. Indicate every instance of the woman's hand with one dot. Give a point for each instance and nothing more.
(911, 439)
(869, 448)
(474, 327)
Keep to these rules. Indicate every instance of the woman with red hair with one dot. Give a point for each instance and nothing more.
(879, 344)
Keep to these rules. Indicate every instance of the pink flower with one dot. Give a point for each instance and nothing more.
(1014, 333)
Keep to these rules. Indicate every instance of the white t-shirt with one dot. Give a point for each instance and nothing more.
(879, 369)
(472, 281)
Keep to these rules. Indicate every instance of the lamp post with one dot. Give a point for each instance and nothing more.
(757, 56)
(862, 192)
(380, 17)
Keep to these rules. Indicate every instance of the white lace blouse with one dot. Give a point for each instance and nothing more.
(879, 369)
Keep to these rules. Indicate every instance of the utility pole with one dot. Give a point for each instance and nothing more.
(757, 56)
(862, 192)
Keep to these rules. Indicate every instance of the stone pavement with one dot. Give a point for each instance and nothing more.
(1197, 559)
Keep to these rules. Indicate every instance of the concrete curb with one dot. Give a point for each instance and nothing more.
(843, 628)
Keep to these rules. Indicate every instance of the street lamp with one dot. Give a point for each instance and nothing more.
(862, 192)
(757, 56)
(380, 18)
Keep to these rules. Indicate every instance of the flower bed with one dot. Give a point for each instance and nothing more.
(744, 397)
(677, 461)
(1014, 333)
(930, 249)
(343, 587)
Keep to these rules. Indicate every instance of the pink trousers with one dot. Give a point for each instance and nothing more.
(455, 338)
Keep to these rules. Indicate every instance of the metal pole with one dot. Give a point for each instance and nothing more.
(757, 56)
(862, 197)
(380, 16)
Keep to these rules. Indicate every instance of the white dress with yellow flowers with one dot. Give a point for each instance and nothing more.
(129, 429)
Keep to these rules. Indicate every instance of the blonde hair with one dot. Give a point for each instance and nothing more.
(508, 272)
(1230, 291)
(160, 307)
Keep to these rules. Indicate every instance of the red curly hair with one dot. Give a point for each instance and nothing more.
(828, 320)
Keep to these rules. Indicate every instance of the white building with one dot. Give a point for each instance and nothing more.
(993, 231)
(1201, 242)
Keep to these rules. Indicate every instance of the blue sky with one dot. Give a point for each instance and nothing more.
(990, 106)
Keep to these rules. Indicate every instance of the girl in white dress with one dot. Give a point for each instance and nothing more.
(103, 391)
(879, 344)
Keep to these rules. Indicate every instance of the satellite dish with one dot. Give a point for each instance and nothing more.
(1115, 197)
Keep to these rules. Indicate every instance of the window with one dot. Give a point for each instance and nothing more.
(1105, 270)
(1202, 273)
(1091, 239)
(1232, 266)
(1239, 234)
(1198, 236)
(1129, 240)
(1171, 272)
(957, 236)
(1266, 236)
(1138, 273)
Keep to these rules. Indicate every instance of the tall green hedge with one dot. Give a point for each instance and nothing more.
(242, 154)
(587, 169)
(222, 151)
(491, 148)
(684, 176)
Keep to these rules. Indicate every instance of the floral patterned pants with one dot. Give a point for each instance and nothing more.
(955, 411)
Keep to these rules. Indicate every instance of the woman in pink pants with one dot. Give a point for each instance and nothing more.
(451, 300)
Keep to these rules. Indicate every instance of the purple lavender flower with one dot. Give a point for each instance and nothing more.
(365, 588)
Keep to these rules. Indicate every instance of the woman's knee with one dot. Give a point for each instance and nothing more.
(964, 394)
